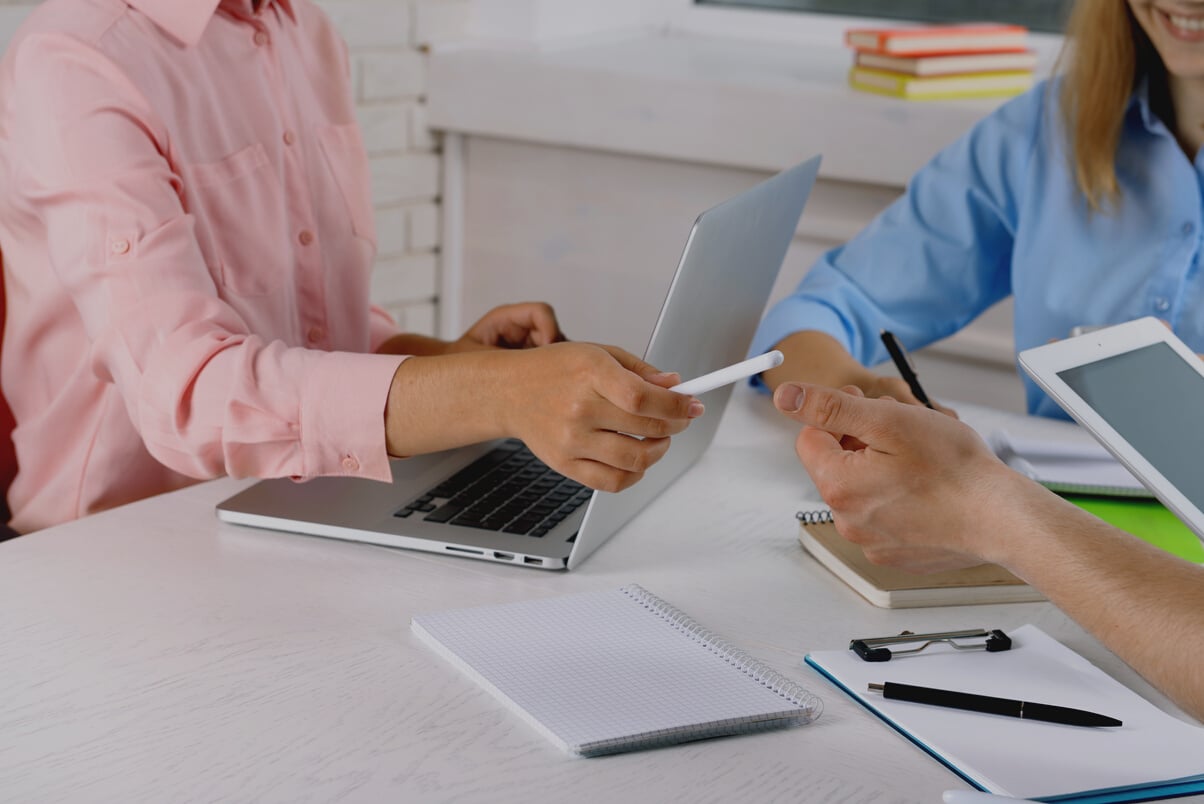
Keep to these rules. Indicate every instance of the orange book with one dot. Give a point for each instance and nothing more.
(939, 39)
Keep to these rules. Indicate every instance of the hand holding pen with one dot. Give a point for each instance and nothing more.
(906, 369)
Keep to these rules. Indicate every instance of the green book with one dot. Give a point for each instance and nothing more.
(1146, 519)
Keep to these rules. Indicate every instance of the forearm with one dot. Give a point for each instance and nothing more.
(407, 343)
(1144, 604)
(595, 414)
(818, 358)
(446, 401)
(923, 492)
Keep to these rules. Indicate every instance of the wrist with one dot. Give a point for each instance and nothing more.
(1013, 520)
(445, 401)
(467, 344)
(817, 358)
(496, 371)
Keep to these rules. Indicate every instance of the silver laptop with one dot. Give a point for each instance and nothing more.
(497, 502)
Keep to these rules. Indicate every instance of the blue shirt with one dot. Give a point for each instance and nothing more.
(998, 212)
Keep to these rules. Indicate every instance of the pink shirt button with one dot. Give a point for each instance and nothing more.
(315, 334)
(121, 247)
(261, 38)
(306, 237)
(289, 137)
(350, 464)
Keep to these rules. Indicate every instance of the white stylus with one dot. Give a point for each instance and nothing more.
(734, 373)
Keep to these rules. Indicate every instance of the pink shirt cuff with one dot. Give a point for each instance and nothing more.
(343, 415)
(381, 327)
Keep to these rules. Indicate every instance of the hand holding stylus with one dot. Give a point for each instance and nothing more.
(730, 374)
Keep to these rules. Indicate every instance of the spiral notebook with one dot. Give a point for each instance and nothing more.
(892, 588)
(621, 670)
(1074, 463)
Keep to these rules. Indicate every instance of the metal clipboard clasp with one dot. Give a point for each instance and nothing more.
(874, 649)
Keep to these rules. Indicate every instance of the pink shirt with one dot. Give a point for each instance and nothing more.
(187, 233)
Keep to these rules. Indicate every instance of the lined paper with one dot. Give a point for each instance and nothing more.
(611, 671)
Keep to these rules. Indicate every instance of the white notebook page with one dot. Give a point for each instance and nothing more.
(1029, 758)
(1067, 463)
(612, 671)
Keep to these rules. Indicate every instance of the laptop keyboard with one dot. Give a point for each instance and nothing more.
(507, 489)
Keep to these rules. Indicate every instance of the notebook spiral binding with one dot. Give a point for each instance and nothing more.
(815, 517)
(792, 691)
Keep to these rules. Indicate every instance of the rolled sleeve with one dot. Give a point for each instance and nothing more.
(932, 261)
(342, 415)
(206, 393)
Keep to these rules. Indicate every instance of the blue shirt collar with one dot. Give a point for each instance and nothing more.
(1141, 99)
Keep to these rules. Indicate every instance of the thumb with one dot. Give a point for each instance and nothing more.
(789, 398)
(632, 363)
(643, 369)
(870, 421)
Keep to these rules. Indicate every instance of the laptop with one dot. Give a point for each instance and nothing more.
(497, 502)
(1139, 390)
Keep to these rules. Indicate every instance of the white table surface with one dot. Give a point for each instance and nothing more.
(152, 653)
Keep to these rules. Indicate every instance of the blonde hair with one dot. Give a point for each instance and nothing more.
(1107, 55)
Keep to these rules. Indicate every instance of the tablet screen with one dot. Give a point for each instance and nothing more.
(1155, 400)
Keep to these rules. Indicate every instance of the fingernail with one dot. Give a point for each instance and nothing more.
(696, 409)
(789, 397)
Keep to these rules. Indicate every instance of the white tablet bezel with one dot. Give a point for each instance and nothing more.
(1043, 363)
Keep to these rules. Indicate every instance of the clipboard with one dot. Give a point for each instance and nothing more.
(1153, 755)
(883, 649)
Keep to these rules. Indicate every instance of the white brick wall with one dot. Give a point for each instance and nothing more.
(387, 39)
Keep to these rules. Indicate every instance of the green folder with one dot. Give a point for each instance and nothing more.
(1147, 519)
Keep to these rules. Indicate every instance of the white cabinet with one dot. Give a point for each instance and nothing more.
(576, 173)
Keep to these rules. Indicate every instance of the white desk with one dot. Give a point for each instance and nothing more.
(152, 653)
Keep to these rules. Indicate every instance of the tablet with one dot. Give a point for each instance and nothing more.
(1140, 391)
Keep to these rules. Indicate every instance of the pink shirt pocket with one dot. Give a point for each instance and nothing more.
(344, 151)
(241, 199)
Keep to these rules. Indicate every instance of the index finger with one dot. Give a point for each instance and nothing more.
(632, 388)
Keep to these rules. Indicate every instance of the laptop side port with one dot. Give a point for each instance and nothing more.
(503, 556)
(533, 560)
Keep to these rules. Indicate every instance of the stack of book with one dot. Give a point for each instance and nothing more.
(942, 61)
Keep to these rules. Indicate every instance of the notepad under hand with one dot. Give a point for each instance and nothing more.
(606, 672)
(1074, 463)
(894, 588)
(1152, 755)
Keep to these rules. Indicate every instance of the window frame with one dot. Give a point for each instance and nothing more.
(854, 19)
(797, 27)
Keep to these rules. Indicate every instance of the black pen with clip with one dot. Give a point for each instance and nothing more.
(903, 363)
(992, 706)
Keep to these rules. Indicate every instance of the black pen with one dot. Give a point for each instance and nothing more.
(992, 706)
(903, 364)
